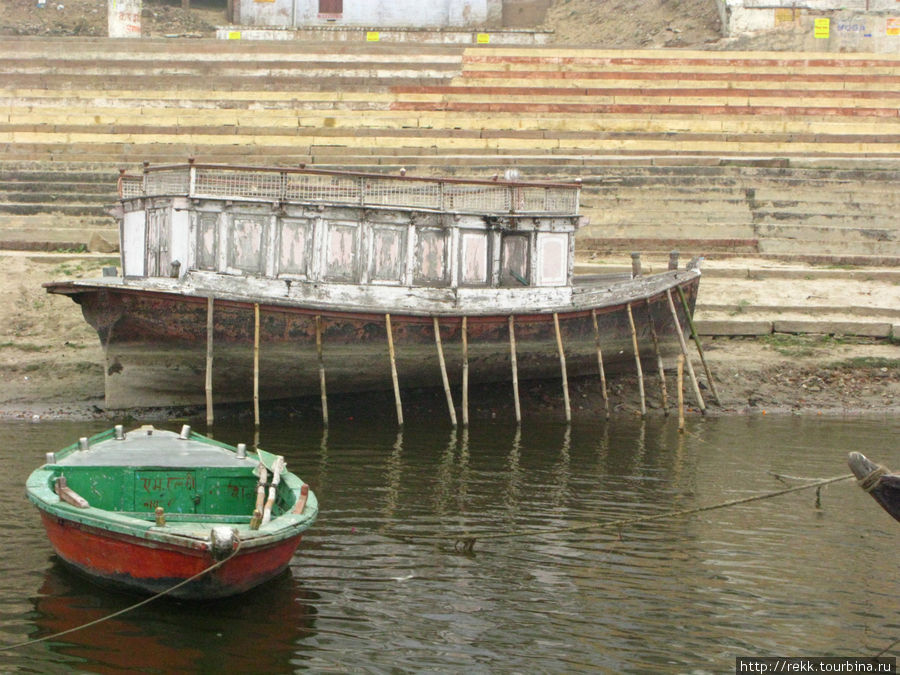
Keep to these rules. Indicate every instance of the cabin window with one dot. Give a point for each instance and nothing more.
(206, 240)
(553, 259)
(296, 236)
(246, 253)
(514, 260)
(388, 255)
(431, 257)
(474, 255)
(158, 235)
(331, 9)
(340, 252)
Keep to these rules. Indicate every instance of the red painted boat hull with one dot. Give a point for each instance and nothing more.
(155, 344)
(136, 564)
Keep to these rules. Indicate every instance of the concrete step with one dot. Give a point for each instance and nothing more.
(759, 296)
(61, 207)
(837, 250)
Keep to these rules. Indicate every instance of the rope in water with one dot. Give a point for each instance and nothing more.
(130, 608)
(466, 543)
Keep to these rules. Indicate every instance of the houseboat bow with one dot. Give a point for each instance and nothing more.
(268, 282)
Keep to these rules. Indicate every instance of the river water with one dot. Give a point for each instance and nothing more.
(783, 576)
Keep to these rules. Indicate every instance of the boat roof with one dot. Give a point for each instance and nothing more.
(154, 447)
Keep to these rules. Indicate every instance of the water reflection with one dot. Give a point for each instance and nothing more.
(773, 577)
(169, 635)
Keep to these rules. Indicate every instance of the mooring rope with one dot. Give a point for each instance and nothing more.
(466, 543)
(871, 481)
(145, 601)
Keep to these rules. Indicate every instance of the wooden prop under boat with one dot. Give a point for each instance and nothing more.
(149, 509)
(877, 481)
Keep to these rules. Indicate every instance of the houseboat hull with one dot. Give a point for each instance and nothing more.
(155, 339)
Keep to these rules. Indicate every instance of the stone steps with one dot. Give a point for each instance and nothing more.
(755, 296)
(70, 109)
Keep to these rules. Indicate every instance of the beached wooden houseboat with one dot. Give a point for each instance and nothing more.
(265, 283)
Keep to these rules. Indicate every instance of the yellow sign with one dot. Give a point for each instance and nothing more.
(822, 28)
(234, 35)
(783, 15)
(893, 26)
(372, 36)
(483, 38)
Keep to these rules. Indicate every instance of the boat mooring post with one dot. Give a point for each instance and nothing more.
(465, 372)
(256, 364)
(321, 370)
(659, 360)
(684, 352)
(637, 360)
(394, 378)
(562, 365)
(696, 338)
(600, 362)
(209, 360)
(515, 368)
(444, 378)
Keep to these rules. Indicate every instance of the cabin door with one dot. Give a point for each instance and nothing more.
(159, 234)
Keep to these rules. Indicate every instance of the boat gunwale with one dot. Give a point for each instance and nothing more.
(180, 531)
(584, 298)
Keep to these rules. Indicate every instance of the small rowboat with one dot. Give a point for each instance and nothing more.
(156, 511)
(877, 481)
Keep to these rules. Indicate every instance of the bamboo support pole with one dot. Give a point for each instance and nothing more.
(562, 366)
(637, 360)
(394, 378)
(256, 364)
(515, 369)
(209, 361)
(321, 358)
(696, 338)
(684, 351)
(681, 393)
(465, 372)
(443, 363)
(600, 363)
(659, 361)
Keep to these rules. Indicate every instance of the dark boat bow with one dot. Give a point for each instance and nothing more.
(875, 479)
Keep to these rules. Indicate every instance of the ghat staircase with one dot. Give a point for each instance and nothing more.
(779, 156)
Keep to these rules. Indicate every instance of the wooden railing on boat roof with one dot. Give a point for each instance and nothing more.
(351, 188)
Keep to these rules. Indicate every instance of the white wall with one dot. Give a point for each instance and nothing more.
(133, 244)
(412, 13)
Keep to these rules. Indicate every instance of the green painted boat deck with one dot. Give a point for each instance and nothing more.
(197, 481)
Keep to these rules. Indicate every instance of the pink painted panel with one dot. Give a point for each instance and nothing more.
(294, 257)
(388, 253)
(474, 251)
(246, 252)
(431, 257)
(340, 254)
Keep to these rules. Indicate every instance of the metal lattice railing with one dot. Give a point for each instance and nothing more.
(335, 187)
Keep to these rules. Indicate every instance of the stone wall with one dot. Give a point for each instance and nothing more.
(818, 25)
